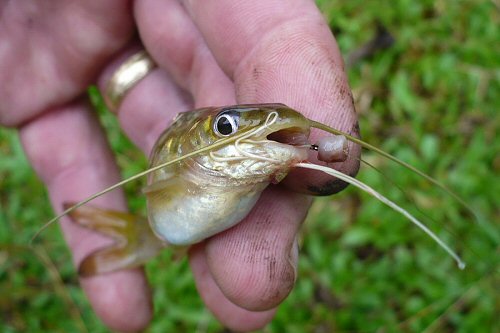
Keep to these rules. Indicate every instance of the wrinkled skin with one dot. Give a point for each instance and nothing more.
(211, 52)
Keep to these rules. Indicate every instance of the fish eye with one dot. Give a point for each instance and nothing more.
(226, 124)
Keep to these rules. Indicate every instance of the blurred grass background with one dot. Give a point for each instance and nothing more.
(426, 81)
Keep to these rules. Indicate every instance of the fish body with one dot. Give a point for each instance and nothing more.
(208, 193)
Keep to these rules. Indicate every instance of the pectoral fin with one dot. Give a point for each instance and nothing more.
(161, 185)
(134, 244)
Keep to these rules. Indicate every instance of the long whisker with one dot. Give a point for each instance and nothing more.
(218, 158)
(391, 204)
(237, 146)
(397, 160)
(271, 119)
(215, 145)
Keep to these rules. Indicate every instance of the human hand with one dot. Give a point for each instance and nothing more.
(209, 53)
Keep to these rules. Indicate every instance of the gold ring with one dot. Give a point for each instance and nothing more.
(126, 76)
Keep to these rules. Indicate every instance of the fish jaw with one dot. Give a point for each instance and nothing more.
(248, 162)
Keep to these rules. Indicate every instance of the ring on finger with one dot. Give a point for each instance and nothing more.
(134, 69)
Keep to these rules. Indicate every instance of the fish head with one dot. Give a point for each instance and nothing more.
(270, 138)
(244, 148)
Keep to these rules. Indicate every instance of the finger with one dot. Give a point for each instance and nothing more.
(69, 152)
(149, 107)
(233, 317)
(254, 263)
(275, 51)
(282, 51)
(176, 45)
(50, 51)
(149, 103)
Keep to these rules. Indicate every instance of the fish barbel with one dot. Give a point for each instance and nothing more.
(207, 171)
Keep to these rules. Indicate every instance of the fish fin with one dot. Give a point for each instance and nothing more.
(160, 185)
(134, 244)
(162, 193)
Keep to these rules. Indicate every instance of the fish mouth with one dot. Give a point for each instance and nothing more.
(292, 136)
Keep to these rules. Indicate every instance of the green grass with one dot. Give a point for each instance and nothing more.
(432, 99)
